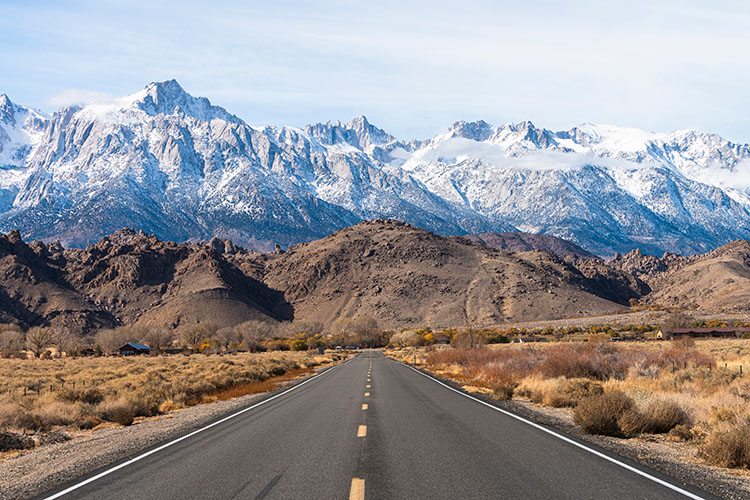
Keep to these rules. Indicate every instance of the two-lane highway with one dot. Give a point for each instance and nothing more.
(373, 428)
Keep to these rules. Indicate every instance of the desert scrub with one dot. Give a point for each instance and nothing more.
(39, 396)
(694, 391)
(728, 445)
(601, 414)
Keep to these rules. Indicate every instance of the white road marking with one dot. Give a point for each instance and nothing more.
(362, 431)
(357, 491)
(567, 440)
(166, 445)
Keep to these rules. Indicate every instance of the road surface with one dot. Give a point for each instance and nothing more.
(374, 428)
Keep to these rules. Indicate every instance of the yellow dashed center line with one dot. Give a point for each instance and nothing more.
(367, 394)
(357, 491)
(362, 431)
(364, 406)
(368, 386)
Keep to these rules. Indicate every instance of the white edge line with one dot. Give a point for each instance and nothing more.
(566, 439)
(166, 445)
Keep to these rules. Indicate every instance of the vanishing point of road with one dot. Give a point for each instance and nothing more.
(377, 429)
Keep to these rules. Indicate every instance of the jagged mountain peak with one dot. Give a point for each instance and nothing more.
(7, 110)
(157, 98)
(358, 132)
(476, 130)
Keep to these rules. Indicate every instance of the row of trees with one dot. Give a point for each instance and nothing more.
(253, 336)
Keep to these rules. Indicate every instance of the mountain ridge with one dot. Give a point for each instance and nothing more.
(401, 275)
(176, 165)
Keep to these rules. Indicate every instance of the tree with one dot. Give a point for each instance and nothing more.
(674, 321)
(228, 337)
(12, 340)
(157, 338)
(308, 328)
(195, 335)
(365, 330)
(253, 332)
(39, 339)
(406, 338)
(67, 341)
(468, 339)
(111, 338)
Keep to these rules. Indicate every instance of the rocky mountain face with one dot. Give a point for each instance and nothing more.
(183, 169)
(526, 242)
(399, 274)
(716, 281)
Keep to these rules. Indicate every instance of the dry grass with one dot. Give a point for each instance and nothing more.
(692, 390)
(40, 396)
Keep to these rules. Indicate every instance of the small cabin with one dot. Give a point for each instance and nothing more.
(133, 349)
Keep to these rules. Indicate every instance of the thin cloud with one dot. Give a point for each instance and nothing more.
(78, 97)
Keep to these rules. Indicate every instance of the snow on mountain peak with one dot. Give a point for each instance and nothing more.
(156, 98)
(358, 133)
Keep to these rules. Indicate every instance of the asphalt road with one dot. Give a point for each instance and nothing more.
(405, 436)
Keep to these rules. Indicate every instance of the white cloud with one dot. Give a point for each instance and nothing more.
(79, 97)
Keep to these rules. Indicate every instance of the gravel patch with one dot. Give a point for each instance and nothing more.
(35, 471)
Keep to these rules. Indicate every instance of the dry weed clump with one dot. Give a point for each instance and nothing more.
(602, 414)
(728, 445)
(694, 391)
(39, 396)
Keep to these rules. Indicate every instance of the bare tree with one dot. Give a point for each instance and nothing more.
(156, 338)
(67, 341)
(366, 330)
(407, 338)
(342, 326)
(12, 340)
(229, 337)
(39, 339)
(194, 335)
(308, 328)
(110, 339)
(674, 321)
(253, 332)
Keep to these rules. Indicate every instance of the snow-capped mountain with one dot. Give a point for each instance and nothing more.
(21, 131)
(175, 165)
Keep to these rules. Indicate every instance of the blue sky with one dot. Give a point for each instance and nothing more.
(412, 67)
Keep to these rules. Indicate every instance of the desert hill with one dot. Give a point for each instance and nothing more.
(526, 242)
(397, 273)
(406, 276)
(716, 281)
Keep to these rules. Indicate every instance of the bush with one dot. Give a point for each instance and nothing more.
(600, 414)
(503, 392)
(664, 415)
(581, 388)
(728, 447)
(59, 413)
(681, 432)
(633, 422)
(12, 415)
(119, 410)
(89, 395)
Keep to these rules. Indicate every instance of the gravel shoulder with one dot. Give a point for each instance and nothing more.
(676, 459)
(35, 471)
